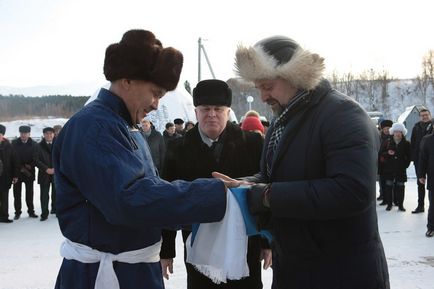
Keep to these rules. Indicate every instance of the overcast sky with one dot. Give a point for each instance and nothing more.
(58, 42)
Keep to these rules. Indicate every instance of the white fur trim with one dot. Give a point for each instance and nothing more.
(398, 127)
(303, 70)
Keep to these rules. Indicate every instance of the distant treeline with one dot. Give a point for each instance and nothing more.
(19, 106)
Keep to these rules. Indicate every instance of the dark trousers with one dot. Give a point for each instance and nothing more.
(29, 197)
(431, 210)
(394, 193)
(382, 183)
(420, 190)
(4, 204)
(45, 197)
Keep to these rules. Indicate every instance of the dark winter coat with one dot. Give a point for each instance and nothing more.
(188, 158)
(157, 147)
(381, 159)
(167, 138)
(109, 197)
(44, 162)
(9, 165)
(27, 154)
(420, 130)
(426, 161)
(395, 166)
(322, 197)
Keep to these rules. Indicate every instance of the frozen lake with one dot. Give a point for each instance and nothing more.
(29, 255)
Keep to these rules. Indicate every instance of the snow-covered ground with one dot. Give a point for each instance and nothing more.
(29, 249)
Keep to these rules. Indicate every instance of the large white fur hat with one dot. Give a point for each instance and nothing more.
(398, 127)
(280, 57)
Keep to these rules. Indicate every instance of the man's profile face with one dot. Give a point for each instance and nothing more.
(144, 96)
(425, 116)
(276, 93)
(212, 119)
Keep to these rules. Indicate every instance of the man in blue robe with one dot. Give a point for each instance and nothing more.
(111, 204)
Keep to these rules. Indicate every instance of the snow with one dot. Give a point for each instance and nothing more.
(29, 255)
(36, 125)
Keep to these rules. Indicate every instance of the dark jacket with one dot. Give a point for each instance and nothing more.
(322, 197)
(167, 138)
(420, 130)
(157, 147)
(188, 158)
(109, 197)
(381, 159)
(27, 154)
(9, 165)
(395, 166)
(44, 162)
(426, 161)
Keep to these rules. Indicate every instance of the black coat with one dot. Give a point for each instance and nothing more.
(394, 167)
(420, 130)
(322, 197)
(44, 162)
(158, 150)
(426, 160)
(27, 154)
(9, 164)
(189, 158)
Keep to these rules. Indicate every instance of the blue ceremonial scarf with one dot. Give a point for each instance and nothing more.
(240, 195)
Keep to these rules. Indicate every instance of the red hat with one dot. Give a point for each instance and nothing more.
(252, 123)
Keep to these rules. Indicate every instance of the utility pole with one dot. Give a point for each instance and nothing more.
(200, 49)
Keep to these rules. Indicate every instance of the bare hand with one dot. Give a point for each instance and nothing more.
(422, 180)
(391, 152)
(267, 256)
(14, 180)
(166, 267)
(50, 171)
(229, 182)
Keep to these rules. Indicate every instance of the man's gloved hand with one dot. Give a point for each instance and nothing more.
(257, 199)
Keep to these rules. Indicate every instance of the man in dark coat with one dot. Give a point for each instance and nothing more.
(170, 134)
(156, 144)
(46, 173)
(426, 168)
(214, 144)
(26, 150)
(8, 174)
(316, 189)
(420, 129)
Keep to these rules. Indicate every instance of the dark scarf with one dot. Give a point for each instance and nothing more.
(279, 127)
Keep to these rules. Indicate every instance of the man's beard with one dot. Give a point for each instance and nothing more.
(277, 110)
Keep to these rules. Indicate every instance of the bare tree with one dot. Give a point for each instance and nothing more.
(368, 82)
(384, 79)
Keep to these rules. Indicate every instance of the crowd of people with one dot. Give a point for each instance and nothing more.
(18, 160)
(394, 157)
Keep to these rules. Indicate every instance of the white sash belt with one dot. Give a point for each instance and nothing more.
(106, 277)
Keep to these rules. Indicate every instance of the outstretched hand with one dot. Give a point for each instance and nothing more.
(229, 182)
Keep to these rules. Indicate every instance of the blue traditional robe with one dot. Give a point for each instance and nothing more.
(110, 198)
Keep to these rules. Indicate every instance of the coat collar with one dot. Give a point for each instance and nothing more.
(116, 104)
(295, 122)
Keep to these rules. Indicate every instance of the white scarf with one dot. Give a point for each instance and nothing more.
(219, 250)
(106, 277)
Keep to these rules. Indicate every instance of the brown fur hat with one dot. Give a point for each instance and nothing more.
(280, 57)
(139, 55)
